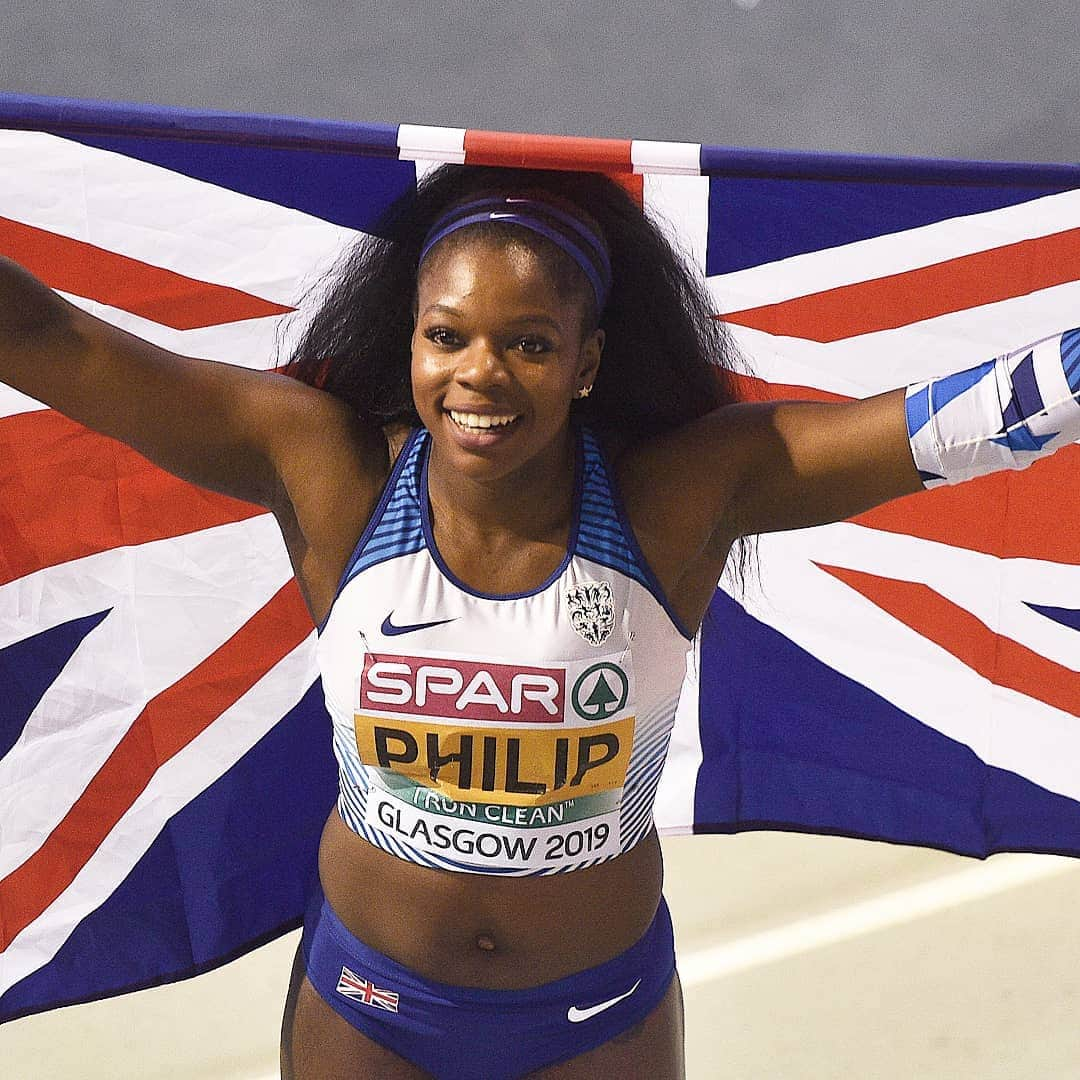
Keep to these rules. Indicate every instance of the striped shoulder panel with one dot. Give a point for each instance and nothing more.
(396, 527)
(603, 534)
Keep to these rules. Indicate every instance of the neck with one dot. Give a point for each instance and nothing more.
(531, 501)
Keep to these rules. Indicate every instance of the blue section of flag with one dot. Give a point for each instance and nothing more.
(1066, 616)
(191, 904)
(29, 667)
(346, 189)
(791, 743)
(74, 116)
(1070, 358)
(757, 220)
(744, 161)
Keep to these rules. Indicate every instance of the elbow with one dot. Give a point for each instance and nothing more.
(29, 309)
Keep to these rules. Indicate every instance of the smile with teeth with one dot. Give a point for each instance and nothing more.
(480, 422)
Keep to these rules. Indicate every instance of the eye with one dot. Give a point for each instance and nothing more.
(442, 336)
(533, 345)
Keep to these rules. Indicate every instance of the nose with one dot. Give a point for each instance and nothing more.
(481, 364)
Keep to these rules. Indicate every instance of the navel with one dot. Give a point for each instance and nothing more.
(485, 943)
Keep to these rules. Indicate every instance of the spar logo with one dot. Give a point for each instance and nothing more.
(600, 691)
(463, 689)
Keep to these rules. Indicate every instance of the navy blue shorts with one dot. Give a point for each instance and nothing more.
(464, 1033)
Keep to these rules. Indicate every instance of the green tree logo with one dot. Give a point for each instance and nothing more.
(593, 695)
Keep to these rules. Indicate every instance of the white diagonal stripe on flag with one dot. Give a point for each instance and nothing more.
(896, 253)
(168, 219)
(1004, 727)
(239, 567)
(173, 786)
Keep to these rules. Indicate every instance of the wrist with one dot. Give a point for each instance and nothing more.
(1003, 414)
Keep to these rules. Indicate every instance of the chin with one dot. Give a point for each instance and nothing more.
(491, 453)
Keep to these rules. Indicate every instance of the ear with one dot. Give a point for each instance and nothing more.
(589, 360)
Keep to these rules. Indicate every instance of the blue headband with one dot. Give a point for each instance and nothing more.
(569, 233)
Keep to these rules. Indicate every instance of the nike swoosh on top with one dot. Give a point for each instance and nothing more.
(388, 629)
(576, 1015)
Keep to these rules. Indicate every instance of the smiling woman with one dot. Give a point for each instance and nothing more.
(513, 332)
(509, 746)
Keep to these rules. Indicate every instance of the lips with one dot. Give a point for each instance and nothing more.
(482, 422)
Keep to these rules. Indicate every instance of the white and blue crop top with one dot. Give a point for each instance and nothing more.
(520, 734)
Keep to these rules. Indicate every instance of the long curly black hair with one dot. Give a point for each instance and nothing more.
(666, 359)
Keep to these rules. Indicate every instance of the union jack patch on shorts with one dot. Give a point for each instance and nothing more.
(367, 993)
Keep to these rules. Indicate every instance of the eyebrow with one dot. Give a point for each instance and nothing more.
(447, 309)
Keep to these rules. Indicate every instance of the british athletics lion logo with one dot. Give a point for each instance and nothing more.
(592, 610)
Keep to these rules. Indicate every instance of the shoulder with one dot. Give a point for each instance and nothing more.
(309, 427)
(331, 470)
(729, 436)
(678, 486)
(711, 451)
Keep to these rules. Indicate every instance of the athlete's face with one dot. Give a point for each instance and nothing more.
(497, 355)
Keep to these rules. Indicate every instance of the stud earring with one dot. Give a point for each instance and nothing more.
(585, 391)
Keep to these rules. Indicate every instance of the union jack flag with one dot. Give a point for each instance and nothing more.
(367, 993)
(165, 761)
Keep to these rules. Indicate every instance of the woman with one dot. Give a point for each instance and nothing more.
(516, 404)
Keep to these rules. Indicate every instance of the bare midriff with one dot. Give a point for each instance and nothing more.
(485, 931)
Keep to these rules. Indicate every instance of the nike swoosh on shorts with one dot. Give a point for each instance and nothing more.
(388, 629)
(576, 1015)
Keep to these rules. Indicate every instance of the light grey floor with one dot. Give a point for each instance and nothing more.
(809, 958)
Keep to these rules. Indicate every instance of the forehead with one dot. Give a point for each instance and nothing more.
(496, 269)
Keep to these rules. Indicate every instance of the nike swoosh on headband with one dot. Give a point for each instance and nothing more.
(576, 1015)
(388, 629)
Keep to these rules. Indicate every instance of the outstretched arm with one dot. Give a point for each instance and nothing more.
(809, 463)
(762, 467)
(217, 425)
(257, 436)
(758, 468)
